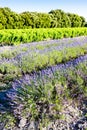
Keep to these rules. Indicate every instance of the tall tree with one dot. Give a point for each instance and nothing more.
(61, 18)
(75, 19)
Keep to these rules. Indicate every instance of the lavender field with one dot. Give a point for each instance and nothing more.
(44, 84)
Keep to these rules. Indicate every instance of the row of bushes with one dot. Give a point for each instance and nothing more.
(11, 36)
(53, 19)
(35, 62)
(44, 101)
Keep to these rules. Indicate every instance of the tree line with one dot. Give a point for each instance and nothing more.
(53, 19)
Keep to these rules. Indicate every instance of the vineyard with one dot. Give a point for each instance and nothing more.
(43, 78)
(18, 36)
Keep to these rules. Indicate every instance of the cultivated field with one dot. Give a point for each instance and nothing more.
(43, 82)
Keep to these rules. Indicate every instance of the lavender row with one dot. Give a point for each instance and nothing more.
(50, 71)
(41, 47)
(7, 98)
